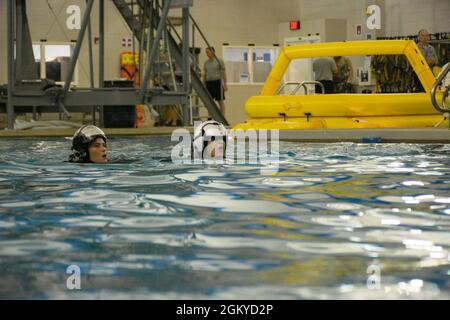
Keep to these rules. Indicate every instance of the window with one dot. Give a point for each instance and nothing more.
(249, 65)
(53, 60)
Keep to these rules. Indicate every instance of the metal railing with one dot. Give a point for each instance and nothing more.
(174, 40)
(298, 86)
(444, 106)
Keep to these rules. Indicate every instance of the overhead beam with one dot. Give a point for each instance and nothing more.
(107, 97)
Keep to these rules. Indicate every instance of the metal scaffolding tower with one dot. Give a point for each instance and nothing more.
(151, 26)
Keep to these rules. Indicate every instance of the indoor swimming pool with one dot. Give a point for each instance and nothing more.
(337, 221)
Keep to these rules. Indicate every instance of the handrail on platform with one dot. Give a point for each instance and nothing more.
(443, 107)
(299, 85)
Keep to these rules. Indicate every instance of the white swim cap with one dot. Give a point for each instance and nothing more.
(81, 141)
(204, 133)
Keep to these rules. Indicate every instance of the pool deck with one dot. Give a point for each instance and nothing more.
(420, 135)
(153, 131)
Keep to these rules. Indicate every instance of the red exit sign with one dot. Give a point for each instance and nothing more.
(294, 25)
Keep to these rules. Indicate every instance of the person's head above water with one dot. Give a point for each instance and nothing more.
(210, 140)
(89, 145)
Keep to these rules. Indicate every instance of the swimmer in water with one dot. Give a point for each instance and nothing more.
(89, 145)
(210, 141)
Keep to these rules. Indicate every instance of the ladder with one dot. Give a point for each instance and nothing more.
(143, 17)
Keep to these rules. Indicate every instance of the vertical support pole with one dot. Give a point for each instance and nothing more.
(91, 64)
(101, 55)
(142, 37)
(193, 54)
(25, 64)
(76, 52)
(19, 37)
(186, 66)
(154, 50)
(11, 80)
(195, 68)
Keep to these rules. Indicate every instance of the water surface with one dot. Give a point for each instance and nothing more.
(150, 229)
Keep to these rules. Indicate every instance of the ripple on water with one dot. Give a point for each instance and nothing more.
(424, 198)
(132, 181)
(412, 238)
(195, 175)
(92, 196)
(380, 218)
(111, 201)
(224, 202)
(337, 248)
(223, 264)
(339, 206)
(156, 222)
(140, 205)
(31, 246)
(132, 222)
(414, 183)
(17, 171)
(392, 289)
(283, 182)
(7, 224)
(18, 204)
(313, 197)
(220, 185)
(233, 218)
(201, 262)
(429, 173)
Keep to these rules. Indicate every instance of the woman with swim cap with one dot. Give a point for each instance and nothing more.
(89, 145)
(210, 140)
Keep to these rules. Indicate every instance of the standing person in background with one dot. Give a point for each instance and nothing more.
(343, 78)
(215, 77)
(428, 53)
(324, 68)
(426, 49)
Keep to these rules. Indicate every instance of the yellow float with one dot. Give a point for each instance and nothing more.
(345, 110)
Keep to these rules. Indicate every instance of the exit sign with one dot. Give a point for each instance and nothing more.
(294, 25)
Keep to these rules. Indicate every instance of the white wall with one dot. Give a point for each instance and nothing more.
(240, 22)
(399, 17)
(407, 17)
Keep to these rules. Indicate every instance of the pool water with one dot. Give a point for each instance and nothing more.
(338, 221)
